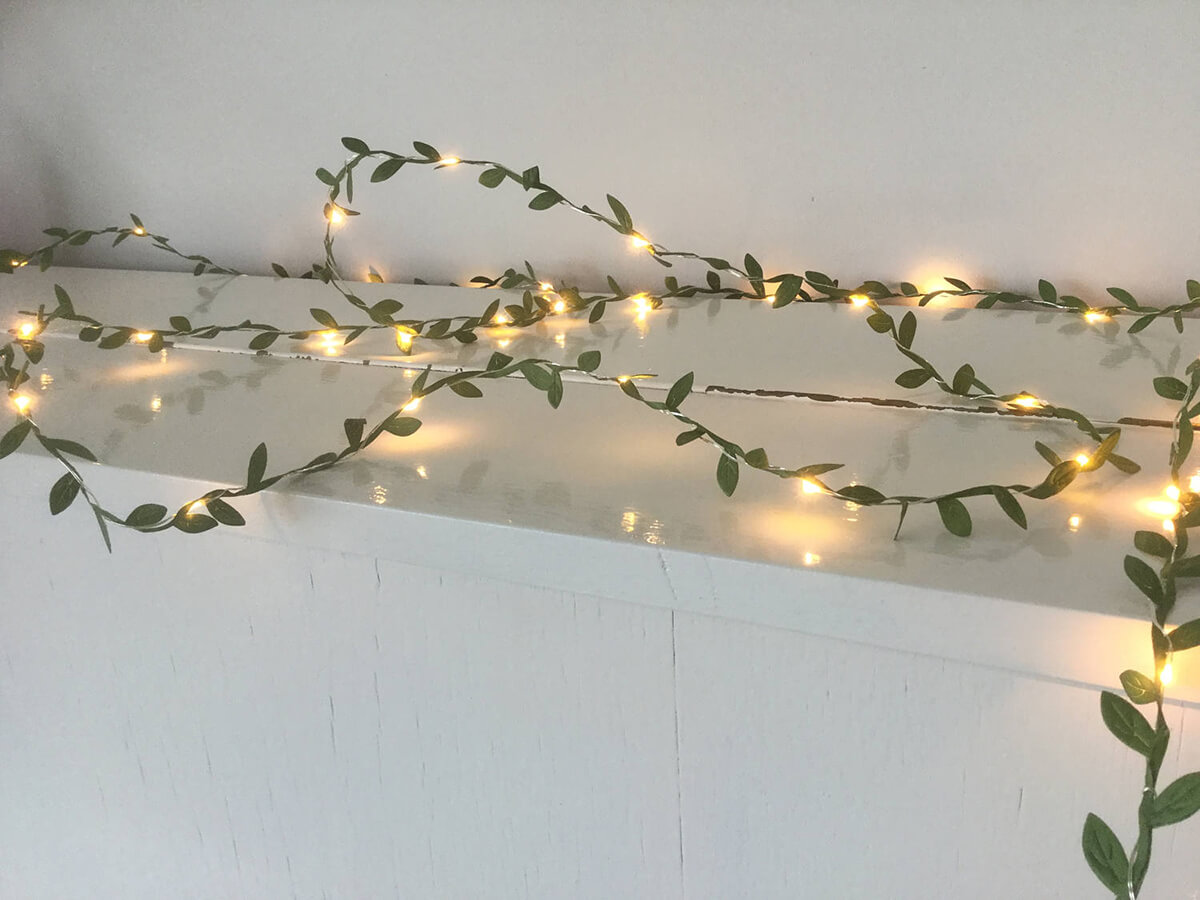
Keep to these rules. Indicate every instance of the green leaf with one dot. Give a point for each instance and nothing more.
(554, 393)
(1186, 636)
(117, 339)
(1140, 688)
(880, 322)
(686, 437)
(492, 178)
(401, 426)
(354, 432)
(64, 492)
(327, 177)
(499, 360)
(1188, 567)
(181, 323)
(264, 340)
(14, 437)
(275, 267)
(757, 458)
(622, 214)
(64, 300)
(1047, 454)
(1170, 388)
(387, 169)
(1047, 291)
(861, 493)
(536, 375)
(1153, 544)
(913, 378)
(1144, 578)
(145, 515)
(964, 378)
(224, 513)
(354, 145)
(324, 317)
(908, 330)
(680, 390)
(466, 389)
(257, 468)
(787, 290)
(727, 474)
(1124, 297)
(1126, 724)
(545, 200)
(1010, 505)
(195, 523)
(589, 360)
(426, 150)
(955, 516)
(1178, 801)
(1105, 856)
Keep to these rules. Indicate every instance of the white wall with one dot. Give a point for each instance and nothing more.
(1002, 141)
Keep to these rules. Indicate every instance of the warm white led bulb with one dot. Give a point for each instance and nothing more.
(411, 405)
(449, 161)
(859, 299)
(27, 330)
(1083, 459)
(1094, 316)
(139, 230)
(639, 242)
(21, 402)
(560, 306)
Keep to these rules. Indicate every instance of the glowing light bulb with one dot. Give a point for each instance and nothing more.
(1161, 508)
(812, 559)
(17, 263)
(27, 330)
(640, 243)
(1172, 492)
(560, 306)
(1074, 522)
(501, 319)
(641, 303)
(156, 403)
(421, 471)
(138, 230)
(404, 339)
(769, 298)
(1083, 459)
(546, 286)
(808, 486)
(1094, 315)
(412, 405)
(335, 216)
(859, 299)
(1026, 401)
(22, 403)
(449, 161)
(143, 337)
(622, 379)
(1167, 675)
(196, 508)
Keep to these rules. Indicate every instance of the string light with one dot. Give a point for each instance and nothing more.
(560, 306)
(138, 230)
(501, 319)
(335, 215)
(1026, 401)
(196, 508)
(412, 405)
(808, 486)
(1083, 459)
(1074, 522)
(22, 403)
(859, 299)
(812, 559)
(421, 471)
(143, 337)
(27, 330)
(1094, 315)
(404, 339)
(156, 403)
(640, 243)
(622, 379)
(641, 303)
(449, 161)
(1167, 675)
(17, 263)
(546, 286)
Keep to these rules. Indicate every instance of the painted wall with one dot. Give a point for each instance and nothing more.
(997, 141)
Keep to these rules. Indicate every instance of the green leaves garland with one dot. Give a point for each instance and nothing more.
(1121, 872)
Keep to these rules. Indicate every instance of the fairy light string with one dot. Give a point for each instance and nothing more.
(1121, 871)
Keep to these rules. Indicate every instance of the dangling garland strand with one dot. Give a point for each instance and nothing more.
(1121, 873)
